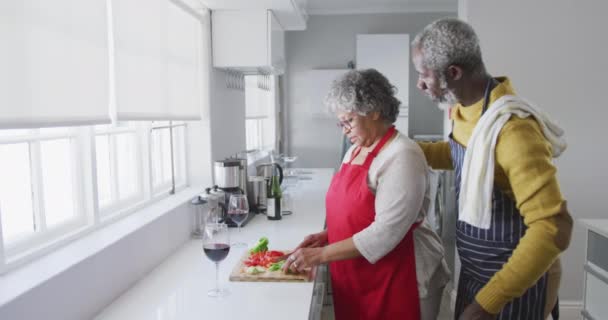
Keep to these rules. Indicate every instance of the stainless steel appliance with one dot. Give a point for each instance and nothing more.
(268, 170)
(256, 193)
(227, 173)
(243, 175)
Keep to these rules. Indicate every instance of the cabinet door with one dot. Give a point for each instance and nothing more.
(239, 38)
(596, 291)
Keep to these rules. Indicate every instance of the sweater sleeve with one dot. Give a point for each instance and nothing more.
(437, 154)
(525, 157)
(400, 189)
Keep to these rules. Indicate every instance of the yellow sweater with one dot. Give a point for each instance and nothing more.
(524, 171)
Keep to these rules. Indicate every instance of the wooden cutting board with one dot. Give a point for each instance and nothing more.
(238, 274)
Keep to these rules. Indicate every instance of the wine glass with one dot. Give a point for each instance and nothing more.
(216, 245)
(238, 211)
(288, 161)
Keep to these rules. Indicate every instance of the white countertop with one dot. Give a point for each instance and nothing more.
(177, 289)
(598, 225)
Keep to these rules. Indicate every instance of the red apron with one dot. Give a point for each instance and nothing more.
(387, 289)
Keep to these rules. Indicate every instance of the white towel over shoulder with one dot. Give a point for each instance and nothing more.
(477, 178)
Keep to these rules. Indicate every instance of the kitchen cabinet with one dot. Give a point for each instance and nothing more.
(596, 270)
(319, 293)
(390, 55)
(251, 42)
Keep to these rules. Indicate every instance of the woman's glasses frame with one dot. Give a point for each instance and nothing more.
(346, 124)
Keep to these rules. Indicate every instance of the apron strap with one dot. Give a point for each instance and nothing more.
(486, 95)
(370, 157)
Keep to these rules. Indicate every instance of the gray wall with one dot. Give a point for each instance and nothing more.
(329, 43)
(556, 56)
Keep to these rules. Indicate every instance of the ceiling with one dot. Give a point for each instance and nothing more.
(317, 7)
(293, 14)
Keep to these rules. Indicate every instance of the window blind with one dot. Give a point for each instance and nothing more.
(55, 64)
(157, 58)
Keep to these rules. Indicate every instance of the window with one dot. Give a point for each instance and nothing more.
(42, 191)
(119, 177)
(40, 185)
(168, 156)
(260, 112)
(56, 183)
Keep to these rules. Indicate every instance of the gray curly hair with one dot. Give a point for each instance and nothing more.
(363, 92)
(450, 41)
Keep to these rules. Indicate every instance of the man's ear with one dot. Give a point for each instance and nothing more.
(455, 72)
(375, 115)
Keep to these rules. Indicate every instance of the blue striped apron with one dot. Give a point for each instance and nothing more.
(484, 252)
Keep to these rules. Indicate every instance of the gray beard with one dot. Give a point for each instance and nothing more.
(448, 97)
(443, 106)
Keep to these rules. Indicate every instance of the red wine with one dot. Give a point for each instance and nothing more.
(216, 251)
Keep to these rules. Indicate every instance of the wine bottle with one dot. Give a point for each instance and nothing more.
(273, 201)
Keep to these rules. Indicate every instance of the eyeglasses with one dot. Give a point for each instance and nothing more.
(345, 124)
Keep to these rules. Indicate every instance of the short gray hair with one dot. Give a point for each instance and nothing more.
(363, 92)
(450, 41)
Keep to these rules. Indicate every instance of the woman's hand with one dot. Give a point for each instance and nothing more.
(303, 258)
(314, 240)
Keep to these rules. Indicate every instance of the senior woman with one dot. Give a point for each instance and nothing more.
(385, 262)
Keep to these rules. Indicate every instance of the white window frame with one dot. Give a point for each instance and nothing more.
(43, 234)
(89, 216)
(173, 186)
(112, 133)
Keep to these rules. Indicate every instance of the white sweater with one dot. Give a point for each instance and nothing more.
(398, 176)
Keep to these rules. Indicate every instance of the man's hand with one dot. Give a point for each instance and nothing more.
(475, 312)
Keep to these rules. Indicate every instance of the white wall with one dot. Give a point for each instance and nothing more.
(555, 54)
(329, 43)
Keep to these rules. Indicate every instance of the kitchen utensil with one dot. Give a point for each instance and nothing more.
(200, 210)
(238, 274)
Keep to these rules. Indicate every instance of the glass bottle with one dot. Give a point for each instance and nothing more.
(273, 201)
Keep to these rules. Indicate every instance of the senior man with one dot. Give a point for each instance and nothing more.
(513, 222)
